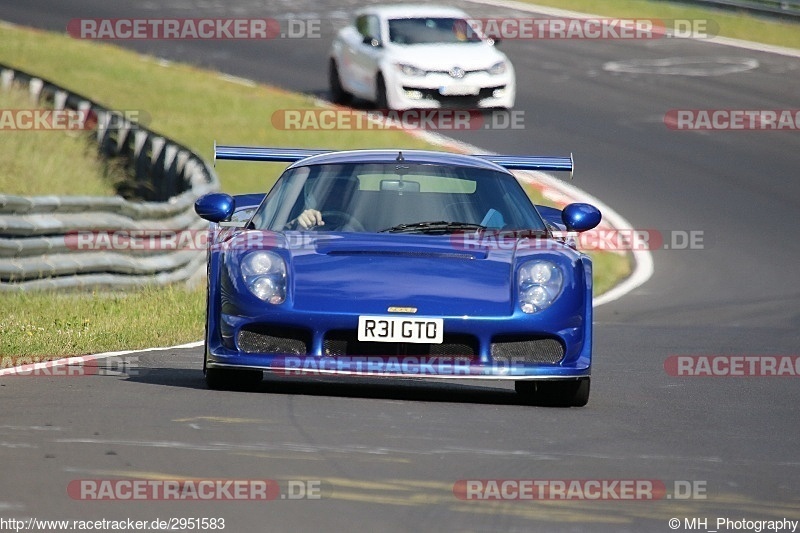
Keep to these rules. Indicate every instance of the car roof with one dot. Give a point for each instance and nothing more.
(412, 10)
(428, 157)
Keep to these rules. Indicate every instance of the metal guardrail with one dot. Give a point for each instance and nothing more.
(784, 9)
(38, 234)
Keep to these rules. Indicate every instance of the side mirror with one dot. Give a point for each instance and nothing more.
(215, 206)
(580, 217)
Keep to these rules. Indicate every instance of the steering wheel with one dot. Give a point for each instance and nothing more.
(338, 221)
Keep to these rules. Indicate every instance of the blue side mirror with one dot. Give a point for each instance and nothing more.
(580, 217)
(215, 206)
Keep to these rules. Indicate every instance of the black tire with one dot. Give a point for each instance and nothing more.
(380, 94)
(555, 393)
(338, 94)
(223, 378)
(229, 379)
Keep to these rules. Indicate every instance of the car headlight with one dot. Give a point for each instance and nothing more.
(497, 68)
(539, 284)
(410, 70)
(264, 275)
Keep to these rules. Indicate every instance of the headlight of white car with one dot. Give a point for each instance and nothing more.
(497, 68)
(539, 284)
(410, 70)
(264, 275)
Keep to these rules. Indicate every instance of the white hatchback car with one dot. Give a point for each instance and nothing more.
(419, 57)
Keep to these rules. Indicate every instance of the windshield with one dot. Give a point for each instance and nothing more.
(407, 198)
(431, 30)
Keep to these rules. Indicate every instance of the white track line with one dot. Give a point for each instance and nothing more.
(29, 368)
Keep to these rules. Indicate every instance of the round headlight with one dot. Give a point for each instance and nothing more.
(266, 288)
(264, 275)
(257, 263)
(540, 273)
(539, 283)
(537, 295)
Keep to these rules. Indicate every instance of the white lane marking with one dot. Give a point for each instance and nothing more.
(684, 66)
(4, 444)
(237, 80)
(27, 368)
(32, 428)
(10, 506)
(563, 13)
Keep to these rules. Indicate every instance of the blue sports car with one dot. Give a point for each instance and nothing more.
(399, 263)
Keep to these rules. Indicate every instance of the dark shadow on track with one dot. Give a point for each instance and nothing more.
(418, 390)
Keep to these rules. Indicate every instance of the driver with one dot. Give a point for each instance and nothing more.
(332, 195)
(308, 219)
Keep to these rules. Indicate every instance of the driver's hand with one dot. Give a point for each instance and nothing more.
(310, 218)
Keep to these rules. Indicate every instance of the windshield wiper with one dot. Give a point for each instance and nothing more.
(440, 226)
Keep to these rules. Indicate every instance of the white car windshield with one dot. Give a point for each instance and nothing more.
(392, 198)
(430, 30)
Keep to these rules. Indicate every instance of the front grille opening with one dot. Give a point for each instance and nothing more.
(271, 339)
(457, 101)
(527, 350)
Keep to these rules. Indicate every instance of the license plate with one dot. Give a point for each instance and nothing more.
(458, 90)
(400, 329)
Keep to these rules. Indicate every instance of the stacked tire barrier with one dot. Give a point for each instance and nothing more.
(81, 242)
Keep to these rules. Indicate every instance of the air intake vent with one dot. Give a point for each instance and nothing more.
(528, 351)
(273, 340)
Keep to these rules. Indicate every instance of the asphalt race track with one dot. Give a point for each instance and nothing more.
(386, 455)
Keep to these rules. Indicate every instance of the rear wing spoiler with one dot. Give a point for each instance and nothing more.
(290, 155)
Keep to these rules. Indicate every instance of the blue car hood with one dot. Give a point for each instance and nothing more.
(368, 273)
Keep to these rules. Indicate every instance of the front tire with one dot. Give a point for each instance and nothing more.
(338, 94)
(555, 393)
(381, 101)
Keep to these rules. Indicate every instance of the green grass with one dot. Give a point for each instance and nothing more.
(608, 269)
(192, 106)
(64, 324)
(738, 25)
(72, 166)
